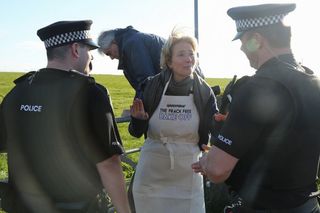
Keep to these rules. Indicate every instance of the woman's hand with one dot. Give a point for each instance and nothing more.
(201, 165)
(137, 110)
(220, 117)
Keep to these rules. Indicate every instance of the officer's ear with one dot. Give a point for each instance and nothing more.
(254, 43)
(75, 49)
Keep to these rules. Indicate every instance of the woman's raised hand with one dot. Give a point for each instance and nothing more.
(137, 110)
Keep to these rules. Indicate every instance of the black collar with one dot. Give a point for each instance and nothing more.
(285, 60)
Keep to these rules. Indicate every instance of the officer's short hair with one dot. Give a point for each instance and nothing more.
(277, 35)
(57, 53)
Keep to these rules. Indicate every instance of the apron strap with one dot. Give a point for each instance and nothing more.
(169, 147)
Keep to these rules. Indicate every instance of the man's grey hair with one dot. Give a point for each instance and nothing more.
(105, 39)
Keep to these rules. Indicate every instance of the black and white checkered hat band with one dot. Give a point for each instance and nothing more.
(66, 38)
(247, 24)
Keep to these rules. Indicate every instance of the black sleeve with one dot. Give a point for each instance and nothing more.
(256, 109)
(102, 121)
(137, 127)
(211, 109)
(199, 71)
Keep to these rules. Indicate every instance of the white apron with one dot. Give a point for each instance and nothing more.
(164, 181)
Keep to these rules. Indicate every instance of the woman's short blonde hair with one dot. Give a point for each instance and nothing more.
(177, 35)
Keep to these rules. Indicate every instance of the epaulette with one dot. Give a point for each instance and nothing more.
(25, 76)
(307, 70)
(239, 83)
(79, 74)
(232, 87)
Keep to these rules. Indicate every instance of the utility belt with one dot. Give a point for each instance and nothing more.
(100, 204)
(72, 207)
(10, 201)
(238, 206)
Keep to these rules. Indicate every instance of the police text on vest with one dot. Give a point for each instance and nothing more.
(224, 140)
(30, 108)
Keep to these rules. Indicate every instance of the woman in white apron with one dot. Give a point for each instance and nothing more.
(164, 180)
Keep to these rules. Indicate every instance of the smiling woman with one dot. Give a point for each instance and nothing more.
(183, 58)
(177, 123)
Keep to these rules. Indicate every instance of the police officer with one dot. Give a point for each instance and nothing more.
(268, 148)
(58, 127)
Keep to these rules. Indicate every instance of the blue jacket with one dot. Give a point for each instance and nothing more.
(139, 55)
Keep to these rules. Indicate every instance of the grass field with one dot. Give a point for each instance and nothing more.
(121, 95)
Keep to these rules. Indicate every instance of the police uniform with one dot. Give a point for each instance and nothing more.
(57, 126)
(273, 128)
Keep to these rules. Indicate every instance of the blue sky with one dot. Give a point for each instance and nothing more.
(22, 50)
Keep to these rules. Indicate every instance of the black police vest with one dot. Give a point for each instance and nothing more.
(281, 170)
(301, 136)
(49, 141)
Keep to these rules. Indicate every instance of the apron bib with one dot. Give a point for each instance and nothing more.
(164, 180)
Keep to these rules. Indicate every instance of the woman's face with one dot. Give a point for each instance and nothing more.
(183, 60)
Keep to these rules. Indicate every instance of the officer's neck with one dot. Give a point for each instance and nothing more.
(59, 65)
(270, 53)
